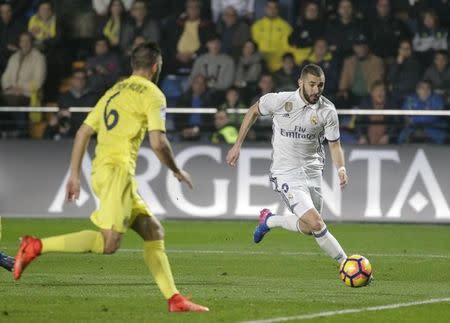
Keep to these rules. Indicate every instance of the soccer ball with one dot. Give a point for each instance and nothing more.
(355, 271)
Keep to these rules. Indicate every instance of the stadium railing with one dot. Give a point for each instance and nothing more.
(395, 118)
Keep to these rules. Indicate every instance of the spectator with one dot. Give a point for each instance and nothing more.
(359, 73)
(385, 31)
(24, 74)
(10, 30)
(404, 73)
(233, 101)
(112, 25)
(165, 10)
(218, 68)
(322, 56)
(309, 26)
(234, 33)
(186, 40)
(23, 78)
(429, 37)
(272, 33)
(60, 126)
(224, 132)
(287, 76)
(103, 69)
(78, 95)
(342, 31)
(249, 66)
(196, 97)
(139, 24)
(376, 129)
(244, 8)
(44, 27)
(266, 84)
(423, 129)
(103, 7)
(126, 58)
(439, 75)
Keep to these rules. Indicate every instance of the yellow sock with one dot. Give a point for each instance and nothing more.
(83, 241)
(156, 259)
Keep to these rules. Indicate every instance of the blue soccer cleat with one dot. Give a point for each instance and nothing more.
(6, 261)
(262, 228)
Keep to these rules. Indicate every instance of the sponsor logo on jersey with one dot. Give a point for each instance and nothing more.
(288, 106)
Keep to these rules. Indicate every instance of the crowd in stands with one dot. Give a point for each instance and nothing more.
(376, 54)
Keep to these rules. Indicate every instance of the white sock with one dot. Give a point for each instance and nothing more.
(288, 222)
(329, 244)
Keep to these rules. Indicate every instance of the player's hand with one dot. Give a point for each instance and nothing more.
(343, 178)
(183, 176)
(233, 155)
(72, 189)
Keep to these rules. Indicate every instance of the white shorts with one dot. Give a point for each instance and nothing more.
(300, 190)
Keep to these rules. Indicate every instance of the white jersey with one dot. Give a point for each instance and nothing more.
(299, 130)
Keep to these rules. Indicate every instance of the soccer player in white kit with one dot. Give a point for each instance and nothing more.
(302, 119)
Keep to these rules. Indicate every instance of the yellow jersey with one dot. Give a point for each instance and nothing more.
(121, 119)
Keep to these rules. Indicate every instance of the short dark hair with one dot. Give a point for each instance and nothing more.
(49, 2)
(145, 55)
(102, 38)
(442, 52)
(376, 84)
(312, 69)
(288, 55)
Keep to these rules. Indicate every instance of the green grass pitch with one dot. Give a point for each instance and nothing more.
(286, 275)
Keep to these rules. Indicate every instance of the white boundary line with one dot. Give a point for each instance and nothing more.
(350, 311)
(287, 253)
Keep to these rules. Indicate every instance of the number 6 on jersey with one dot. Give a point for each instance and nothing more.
(111, 117)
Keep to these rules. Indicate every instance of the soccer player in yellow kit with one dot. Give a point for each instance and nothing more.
(120, 119)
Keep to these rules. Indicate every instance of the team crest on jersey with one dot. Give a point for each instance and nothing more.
(288, 106)
(314, 119)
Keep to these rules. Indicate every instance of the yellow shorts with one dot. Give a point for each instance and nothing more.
(120, 202)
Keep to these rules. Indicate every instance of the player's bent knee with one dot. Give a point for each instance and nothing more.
(317, 226)
(111, 247)
(313, 220)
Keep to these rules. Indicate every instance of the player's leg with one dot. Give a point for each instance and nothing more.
(77, 242)
(294, 194)
(312, 221)
(155, 257)
(112, 186)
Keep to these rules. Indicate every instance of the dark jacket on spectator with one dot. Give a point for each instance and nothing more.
(234, 38)
(99, 81)
(149, 30)
(384, 35)
(439, 80)
(306, 32)
(341, 36)
(402, 78)
(9, 34)
(72, 99)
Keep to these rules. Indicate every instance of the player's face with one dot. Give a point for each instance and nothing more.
(311, 87)
(5, 13)
(45, 11)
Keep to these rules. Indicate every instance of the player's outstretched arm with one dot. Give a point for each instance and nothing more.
(337, 155)
(249, 119)
(163, 150)
(80, 144)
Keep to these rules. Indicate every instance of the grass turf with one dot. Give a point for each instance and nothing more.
(217, 262)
